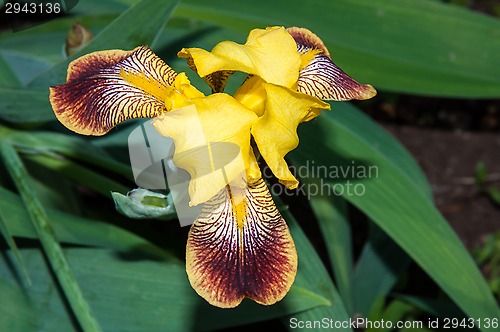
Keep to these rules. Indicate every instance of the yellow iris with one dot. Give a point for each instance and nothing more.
(239, 246)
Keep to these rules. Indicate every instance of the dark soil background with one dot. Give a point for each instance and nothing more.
(448, 138)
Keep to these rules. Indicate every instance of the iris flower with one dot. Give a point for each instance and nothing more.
(239, 246)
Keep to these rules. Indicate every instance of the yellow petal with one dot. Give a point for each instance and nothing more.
(321, 77)
(252, 94)
(276, 131)
(228, 259)
(181, 93)
(269, 53)
(107, 87)
(212, 143)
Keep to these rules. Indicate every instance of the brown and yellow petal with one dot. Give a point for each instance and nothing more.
(320, 76)
(105, 88)
(241, 247)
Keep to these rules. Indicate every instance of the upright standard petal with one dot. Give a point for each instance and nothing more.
(275, 132)
(238, 250)
(107, 87)
(321, 77)
(212, 143)
(268, 53)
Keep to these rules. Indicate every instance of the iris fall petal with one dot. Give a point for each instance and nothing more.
(228, 259)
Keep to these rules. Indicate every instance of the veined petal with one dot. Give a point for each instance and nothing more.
(321, 77)
(107, 87)
(212, 143)
(268, 53)
(276, 131)
(228, 259)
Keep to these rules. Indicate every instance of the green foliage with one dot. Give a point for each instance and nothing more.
(483, 183)
(117, 275)
(488, 257)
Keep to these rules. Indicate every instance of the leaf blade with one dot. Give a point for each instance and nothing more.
(370, 40)
(150, 15)
(47, 238)
(403, 211)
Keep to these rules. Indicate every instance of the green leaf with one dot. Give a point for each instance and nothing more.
(481, 174)
(15, 309)
(74, 147)
(122, 33)
(71, 229)
(4, 231)
(392, 199)
(53, 191)
(437, 308)
(24, 66)
(74, 230)
(494, 194)
(312, 274)
(7, 76)
(137, 292)
(331, 214)
(396, 45)
(394, 313)
(101, 184)
(45, 42)
(377, 270)
(25, 105)
(47, 238)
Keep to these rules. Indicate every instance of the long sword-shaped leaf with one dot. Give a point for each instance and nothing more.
(75, 172)
(4, 231)
(142, 293)
(139, 25)
(336, 230)
(75, 147)
(378, 269)
(76, 230)
(395, 202)
(18, 314)
(7, 75)
(48, 240)
(25, 105)
(312, 273)
(398, 45)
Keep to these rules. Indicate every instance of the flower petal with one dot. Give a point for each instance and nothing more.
(276, 131)
(216, 81)
(107, 87)
(321, 77)
(212, 143)
(228, 259)
(270, 54)
(252, 94)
